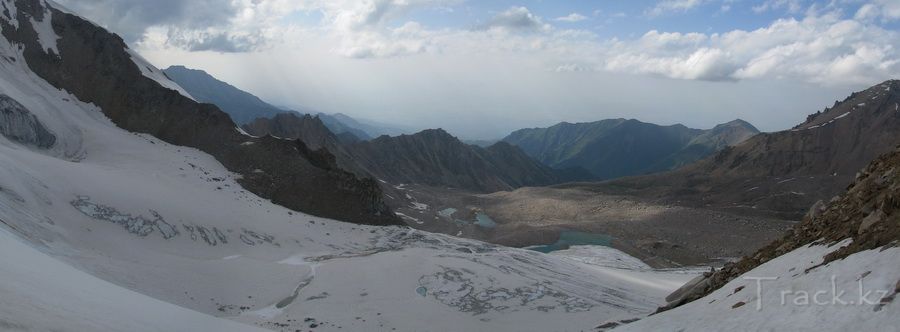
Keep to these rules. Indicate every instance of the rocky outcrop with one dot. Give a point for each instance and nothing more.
(868, 213)
(19, 125)
(95, 66)
(312, 132)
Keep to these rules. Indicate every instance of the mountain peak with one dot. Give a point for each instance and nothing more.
(438, 134)
(740, 123)
(181, 67)
(435, 131)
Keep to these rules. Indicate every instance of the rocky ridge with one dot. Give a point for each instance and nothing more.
(781, 174)
(97, 67)
(868, 213)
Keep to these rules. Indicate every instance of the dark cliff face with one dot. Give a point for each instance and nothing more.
(19, 125)
(310, 130)
(94, 65)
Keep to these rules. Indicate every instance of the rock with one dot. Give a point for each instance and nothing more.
(19, 125)
(607, 325)
(696, 286)
(870, 220)
(816, 209)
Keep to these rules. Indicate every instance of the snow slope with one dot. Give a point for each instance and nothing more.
(43, 294)
(156, 222)
(791, 300)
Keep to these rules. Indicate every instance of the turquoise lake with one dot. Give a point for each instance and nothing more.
(574, 238)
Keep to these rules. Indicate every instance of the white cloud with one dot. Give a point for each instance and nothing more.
(572, 68)
(791, 6)
(673, 6)
(821, 49)
(538, 74)
(242, 25)
(886, 10)
(573, 17)
(516, 19)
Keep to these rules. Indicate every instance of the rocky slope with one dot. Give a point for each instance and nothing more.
(97, 67)
(619, 147)
(782, 174)
(436, 158)
(313, 132)
(854, 238)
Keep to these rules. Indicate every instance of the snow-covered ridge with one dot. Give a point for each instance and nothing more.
(153, 73)
(844, 295)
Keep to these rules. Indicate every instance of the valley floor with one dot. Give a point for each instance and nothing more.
(663, 235)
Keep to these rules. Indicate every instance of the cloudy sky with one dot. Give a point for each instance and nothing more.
(483, 68)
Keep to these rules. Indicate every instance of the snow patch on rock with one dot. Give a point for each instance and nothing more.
(47, 37)
(8, 7)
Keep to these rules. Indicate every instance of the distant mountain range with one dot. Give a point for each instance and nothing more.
(431, 157)
(619, 147)
(783, 173)
(369, 127)
(434, 157)
(244, 107)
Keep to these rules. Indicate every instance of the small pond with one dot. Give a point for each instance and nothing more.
(447, 213)
(484, 220)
